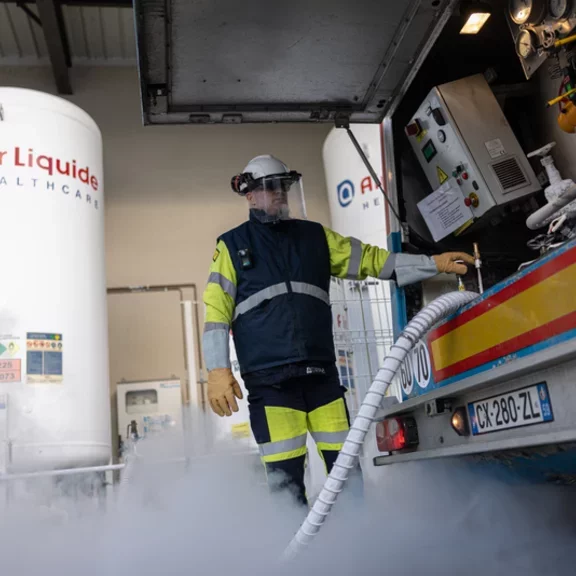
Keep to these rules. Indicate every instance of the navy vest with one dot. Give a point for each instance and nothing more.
(283, 314)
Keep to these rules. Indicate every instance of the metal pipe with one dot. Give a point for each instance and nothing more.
(372, 172)
(478, 265)
(547, 213)
(65, 472)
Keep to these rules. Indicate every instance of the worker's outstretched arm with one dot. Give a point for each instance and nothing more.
(352, 259)
(220, 302)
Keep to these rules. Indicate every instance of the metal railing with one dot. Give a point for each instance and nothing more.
(363, 333)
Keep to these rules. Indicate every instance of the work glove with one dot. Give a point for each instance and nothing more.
(222, 390)
(448, 262)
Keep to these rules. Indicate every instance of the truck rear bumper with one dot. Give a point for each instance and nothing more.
(547, 448)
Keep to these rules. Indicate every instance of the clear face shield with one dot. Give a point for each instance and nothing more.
(278, 197)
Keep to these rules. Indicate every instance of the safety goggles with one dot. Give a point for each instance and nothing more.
(244, 183)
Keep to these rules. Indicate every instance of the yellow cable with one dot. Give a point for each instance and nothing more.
(561, 97)
(564, 41)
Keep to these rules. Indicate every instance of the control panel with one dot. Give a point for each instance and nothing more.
(460, 132)
(443, 155)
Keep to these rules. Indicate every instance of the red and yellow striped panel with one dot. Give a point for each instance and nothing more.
(534, 308)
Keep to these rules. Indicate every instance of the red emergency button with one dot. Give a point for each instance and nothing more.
(413, 129)
(467, 201)
(465, 175)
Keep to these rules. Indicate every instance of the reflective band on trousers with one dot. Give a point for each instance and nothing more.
(330, 437)
(277, 290)
(272, 448)
(355, 259)
(224, 283)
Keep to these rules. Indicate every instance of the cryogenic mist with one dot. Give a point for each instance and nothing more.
(216, 517)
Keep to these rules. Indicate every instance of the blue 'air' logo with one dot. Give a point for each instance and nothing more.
(345, 193)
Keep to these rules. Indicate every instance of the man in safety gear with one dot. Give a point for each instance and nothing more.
(269, 283)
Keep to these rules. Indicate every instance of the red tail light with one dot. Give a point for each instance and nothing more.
(398, 433)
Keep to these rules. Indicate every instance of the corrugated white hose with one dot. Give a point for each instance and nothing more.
(437, 310)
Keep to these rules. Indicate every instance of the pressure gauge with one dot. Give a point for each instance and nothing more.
(526, 43)
(559, 9)
(527, 11)
(441, 136)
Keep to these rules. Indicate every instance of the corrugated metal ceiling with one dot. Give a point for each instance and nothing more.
(97, 36)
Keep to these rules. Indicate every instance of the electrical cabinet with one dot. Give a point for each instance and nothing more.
(459, 132)
(153, 406)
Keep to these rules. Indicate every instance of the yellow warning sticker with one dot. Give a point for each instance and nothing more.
(442, 176)
(421, 135)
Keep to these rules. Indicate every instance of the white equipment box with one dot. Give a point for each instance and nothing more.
(460, 132)
(154, 406)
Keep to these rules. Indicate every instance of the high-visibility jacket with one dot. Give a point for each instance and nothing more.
(269, 284)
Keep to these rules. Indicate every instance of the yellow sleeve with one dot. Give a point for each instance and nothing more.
(350, 258)
(220, 291)
(220, 302)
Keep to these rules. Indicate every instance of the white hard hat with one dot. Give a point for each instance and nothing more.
(265, 165)
(258, 168)
(276, 190)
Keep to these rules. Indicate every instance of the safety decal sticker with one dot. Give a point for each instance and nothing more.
(10, 360)
(216, 254)
(416, 370)
(495, 148)
(44, 358)
(420, 136)
(10, 370)
(442, 176)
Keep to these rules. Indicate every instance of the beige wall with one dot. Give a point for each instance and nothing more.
(168, 197)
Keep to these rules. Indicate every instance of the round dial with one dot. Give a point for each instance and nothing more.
(527, 11)
(559, 8)
(442, 136)
(526, 44)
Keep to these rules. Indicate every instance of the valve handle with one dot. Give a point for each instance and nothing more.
(544, 151)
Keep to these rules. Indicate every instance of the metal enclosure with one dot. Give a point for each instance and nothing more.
(222, 61)
(464, 134)
(154, 406)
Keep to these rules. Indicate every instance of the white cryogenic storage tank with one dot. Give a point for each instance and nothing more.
(55, 406)
(362, 312)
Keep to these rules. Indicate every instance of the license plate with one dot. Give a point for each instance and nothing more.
(524, 407)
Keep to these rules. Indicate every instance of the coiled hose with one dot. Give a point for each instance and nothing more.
(437, 310)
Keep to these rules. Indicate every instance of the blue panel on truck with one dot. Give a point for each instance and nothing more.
(534, 310)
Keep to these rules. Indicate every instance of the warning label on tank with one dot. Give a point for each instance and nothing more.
(44, 354)
(10, 371)
(10, 360)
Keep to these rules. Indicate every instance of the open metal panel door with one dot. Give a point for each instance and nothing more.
(230, 61)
